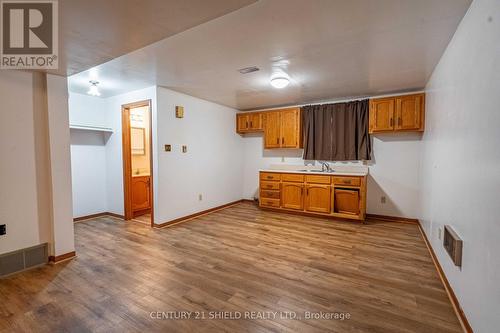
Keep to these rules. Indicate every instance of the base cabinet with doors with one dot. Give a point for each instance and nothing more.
(141, 200)
(403, 113)
(316, 194)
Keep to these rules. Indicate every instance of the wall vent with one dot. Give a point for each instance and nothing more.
(21, 260)
(247, 70)
(453, 245)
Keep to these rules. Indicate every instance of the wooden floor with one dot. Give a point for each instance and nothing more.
(239, 259)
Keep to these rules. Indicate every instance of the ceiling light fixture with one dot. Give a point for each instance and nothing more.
(93, 90)
(280, 81)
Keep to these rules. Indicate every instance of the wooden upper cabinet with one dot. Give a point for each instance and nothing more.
(410, 113)
(318, 198)
(255, 121)
(249, 122)
(272, 129)
(292, 196)
(290, 128)
(381, 115)
(397, 113)
(282, 129)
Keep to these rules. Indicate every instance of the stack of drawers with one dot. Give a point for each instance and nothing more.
(270, 189)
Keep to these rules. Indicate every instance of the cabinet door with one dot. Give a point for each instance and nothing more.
(272, 137)
(255, 120)
(381, 115)
(346, 201)
(290, 130)
(140, 193)
(292, 196)
(242, 124)
(318, 198)
(409, 113)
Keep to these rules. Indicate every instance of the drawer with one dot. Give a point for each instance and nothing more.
(269, 185)
(352, 181)
(270, 194)
(317, 179)
(269, 202)
(292, 177)
(270, 176)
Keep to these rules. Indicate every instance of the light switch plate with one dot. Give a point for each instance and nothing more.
(179, 111)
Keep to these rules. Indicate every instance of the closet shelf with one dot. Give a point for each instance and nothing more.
(91, 128)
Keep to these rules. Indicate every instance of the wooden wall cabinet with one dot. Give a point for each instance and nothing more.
(313, 194)
(282, 128)
(397, 113)
(249, 122)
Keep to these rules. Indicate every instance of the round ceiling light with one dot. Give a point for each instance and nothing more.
(280, 82)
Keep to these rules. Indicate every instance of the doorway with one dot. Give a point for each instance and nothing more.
(137, 142)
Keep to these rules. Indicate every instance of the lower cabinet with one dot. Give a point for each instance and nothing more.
(318, 198)
(346, 201)
(292, 196)
(140, 193)
(341, 196)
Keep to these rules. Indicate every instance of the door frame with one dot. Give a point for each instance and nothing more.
(127, 158)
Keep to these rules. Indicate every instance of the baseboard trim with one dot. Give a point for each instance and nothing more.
(449, 290)
(93, 216)
(195, 215)
(392, 218)
(63, 257)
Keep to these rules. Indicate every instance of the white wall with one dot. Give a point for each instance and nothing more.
(35, 179)
(394, 171)
(88, 154)
(460, 173)
(212, 165)
(18, 195)
(60, 162)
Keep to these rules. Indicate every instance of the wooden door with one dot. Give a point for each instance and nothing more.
(140, 193)
(346, 201)
(409, 112)
(272, 135)
(290, 128)
(318, 198)
(381, 115)
(292, 196)
(242, 123)
(255, 121)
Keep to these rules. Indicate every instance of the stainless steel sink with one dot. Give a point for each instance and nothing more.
(321, 171)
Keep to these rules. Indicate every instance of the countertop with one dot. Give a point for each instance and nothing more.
(319, 172)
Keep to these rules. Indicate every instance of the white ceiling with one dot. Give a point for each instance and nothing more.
(330, 48)
(92, 32)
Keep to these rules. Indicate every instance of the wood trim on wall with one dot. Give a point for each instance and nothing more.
(391, 218)
(449, 290)
(192, 216)
(92, 216)
(62, 257)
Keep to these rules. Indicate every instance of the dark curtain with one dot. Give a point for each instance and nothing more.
(336, 132)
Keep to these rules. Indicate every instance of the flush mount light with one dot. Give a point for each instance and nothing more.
(93, 90)
(279, 82)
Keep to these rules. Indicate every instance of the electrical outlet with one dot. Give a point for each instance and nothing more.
(382, 199)
(3, 229)
(200, 197)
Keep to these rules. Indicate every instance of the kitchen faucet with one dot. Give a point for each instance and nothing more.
(325, 167)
